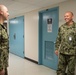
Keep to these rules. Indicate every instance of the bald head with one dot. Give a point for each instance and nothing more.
(3, 12)
(71, 13)
(2, 7)
(68, 17)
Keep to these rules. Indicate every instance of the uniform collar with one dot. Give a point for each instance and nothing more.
(70, 25)
(1, 24)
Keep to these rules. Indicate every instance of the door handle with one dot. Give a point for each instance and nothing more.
(14, 36)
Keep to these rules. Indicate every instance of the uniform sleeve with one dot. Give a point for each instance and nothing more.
(1, 54)
(58, 40)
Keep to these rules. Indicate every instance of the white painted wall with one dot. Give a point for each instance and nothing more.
(31, 26)
(31, 35)
(70, 5)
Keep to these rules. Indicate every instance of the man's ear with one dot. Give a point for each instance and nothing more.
(1, 12)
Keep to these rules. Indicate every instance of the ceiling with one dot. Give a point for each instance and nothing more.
(16, 7)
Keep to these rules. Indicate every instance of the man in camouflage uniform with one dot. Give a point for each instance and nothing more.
(66, 46)
(4, 45)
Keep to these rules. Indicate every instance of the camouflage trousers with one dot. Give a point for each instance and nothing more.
(66, 64)
(6, 72)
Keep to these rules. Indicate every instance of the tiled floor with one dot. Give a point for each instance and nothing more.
(20, 66)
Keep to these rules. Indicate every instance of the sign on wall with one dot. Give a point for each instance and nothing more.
(49, 25)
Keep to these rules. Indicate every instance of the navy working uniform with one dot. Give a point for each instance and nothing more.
(4, 48)
(66, 45)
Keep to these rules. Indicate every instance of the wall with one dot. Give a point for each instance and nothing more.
(31, 35)
(67, 6)
(31, 26)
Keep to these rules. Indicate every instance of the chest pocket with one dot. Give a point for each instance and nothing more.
(71, 38)
(4, 35)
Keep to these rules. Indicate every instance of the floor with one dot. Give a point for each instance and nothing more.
(20, 66)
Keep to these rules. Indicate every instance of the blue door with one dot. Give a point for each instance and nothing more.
(16, 36)
(48, 28)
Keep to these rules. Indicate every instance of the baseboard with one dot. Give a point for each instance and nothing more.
(31, 60)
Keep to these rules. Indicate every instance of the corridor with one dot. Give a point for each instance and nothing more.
(20, 66)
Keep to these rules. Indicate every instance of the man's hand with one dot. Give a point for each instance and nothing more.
(56, 52)
(2, 72)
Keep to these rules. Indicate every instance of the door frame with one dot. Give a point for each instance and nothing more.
(40, 32)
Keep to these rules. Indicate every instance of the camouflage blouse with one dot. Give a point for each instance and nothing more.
(66, 40)
(4, 47)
